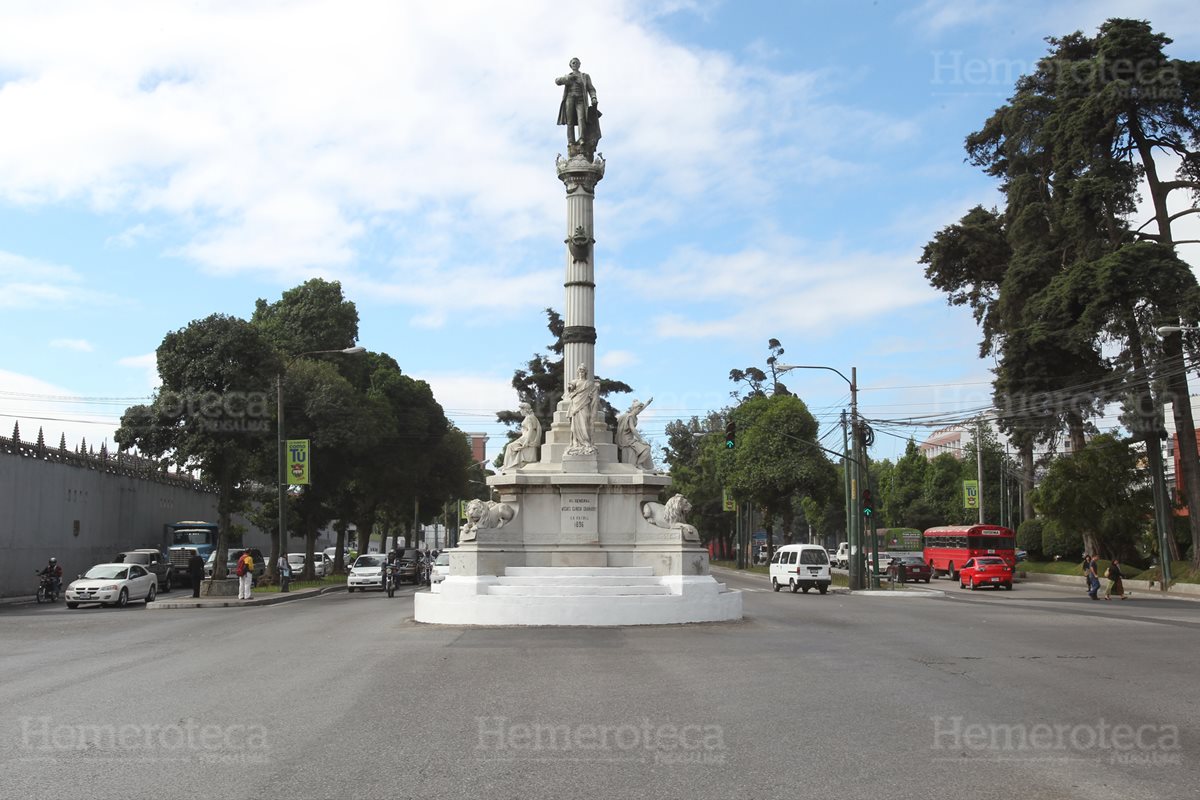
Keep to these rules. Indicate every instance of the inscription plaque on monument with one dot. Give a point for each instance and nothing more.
(579, 515)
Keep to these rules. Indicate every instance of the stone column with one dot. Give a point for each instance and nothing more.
(580, 177)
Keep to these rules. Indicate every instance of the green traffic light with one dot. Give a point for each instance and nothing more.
(728, 444)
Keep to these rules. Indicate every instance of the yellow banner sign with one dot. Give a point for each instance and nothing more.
(970, 494)
(727, 501)
(298, 464)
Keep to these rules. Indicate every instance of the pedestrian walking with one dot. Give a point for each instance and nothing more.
(1116, 581)
(245, 574)
(285, 572)
(196, 572)
(1093, 579)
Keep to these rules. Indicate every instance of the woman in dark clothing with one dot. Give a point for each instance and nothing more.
(1116, 581)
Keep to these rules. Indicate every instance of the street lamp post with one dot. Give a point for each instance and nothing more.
(857, 556)
(283, 484)
(1161, 515)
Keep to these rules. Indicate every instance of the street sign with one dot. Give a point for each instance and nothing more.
(298, 465)
(970, 494)
(727, 502)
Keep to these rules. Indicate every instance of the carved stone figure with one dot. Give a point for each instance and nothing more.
(582, 396)
(483, 515)
(582, 120)
(524, 449)
(671, 516)
(633, 448)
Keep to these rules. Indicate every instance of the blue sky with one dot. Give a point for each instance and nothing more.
(773, 171)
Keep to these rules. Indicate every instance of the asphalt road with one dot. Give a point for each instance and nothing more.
(1034, 693)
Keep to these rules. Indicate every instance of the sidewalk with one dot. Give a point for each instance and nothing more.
(1140, 589)
(232, 602)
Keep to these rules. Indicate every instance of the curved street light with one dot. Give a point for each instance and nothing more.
(854, 507)
(283, 484)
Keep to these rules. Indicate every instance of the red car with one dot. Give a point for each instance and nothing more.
(915, 568)
(985, 571)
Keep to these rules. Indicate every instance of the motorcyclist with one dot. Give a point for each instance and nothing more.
(53, 570)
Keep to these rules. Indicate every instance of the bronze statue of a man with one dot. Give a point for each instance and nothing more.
(582, 121)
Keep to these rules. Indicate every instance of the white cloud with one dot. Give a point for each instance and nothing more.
(282, 137)
(79, 345)
(29, 283)
(128, 237)
(472, 401)
(147, 362)
(938, 16)
(33, 404)
(784, 287)
(615, 359)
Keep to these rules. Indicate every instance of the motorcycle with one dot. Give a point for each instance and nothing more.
(47, 591)
(390, 578)
(425, 570)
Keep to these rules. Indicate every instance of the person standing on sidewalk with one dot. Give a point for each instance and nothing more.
(196, 572)
(1116, 581)
(245, 574)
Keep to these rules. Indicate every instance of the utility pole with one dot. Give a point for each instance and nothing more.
(979, 462)
(857, 555)
(849, 493)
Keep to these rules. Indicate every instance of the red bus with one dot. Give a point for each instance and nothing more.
(949, 547)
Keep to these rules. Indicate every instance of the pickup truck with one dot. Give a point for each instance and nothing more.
(154, 561)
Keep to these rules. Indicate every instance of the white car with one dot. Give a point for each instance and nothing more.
(441, 569)
(322, 566)
(367, 572)
(112, 585)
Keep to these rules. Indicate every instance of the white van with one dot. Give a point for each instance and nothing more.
(800, 567)
(842, 559)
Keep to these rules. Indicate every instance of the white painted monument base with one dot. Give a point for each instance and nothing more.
(578, 596)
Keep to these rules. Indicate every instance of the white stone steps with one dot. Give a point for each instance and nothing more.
(592, 571)
(575, 590)
(579, 580)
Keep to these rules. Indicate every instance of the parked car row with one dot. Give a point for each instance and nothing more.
(367, 571)
(322, 564)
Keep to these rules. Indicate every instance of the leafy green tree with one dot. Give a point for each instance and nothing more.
(211, 411)
(691, 453)
(1074, 145)
(1098, 494)
(776, 458)
(943, 489)
(1029, 536)
(312, 316)
(907, 490)
(323, 407)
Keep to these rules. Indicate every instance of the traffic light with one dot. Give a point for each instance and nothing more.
(730, 434)
(867, 508)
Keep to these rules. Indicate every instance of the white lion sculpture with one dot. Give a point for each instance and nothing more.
(672, 516)
(483, 515)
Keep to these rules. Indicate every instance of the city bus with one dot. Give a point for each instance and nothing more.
(948, 548)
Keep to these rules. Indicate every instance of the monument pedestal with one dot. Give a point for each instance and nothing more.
(579, 550)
